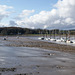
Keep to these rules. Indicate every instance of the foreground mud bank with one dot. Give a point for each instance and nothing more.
(35, 61)
(27, 42)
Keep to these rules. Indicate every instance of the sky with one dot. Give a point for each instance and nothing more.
(45, 14)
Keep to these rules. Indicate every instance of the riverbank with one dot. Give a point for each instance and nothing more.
(27, 42)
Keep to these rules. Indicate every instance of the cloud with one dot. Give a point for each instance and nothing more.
(3, 25)
(66, 8)
(61, 17)
(24, 14)
(12, 23)
(5, 11)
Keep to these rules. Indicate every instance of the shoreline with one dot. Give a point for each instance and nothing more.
(27, 42)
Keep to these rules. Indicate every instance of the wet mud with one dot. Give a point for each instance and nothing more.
(35, 61)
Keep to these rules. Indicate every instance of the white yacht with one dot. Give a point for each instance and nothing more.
(68, 41)
(58, 40)
(62, 40)
(41, 38)
(47, 38)
(52, 39)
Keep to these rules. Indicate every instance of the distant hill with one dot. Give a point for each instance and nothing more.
(23, 31)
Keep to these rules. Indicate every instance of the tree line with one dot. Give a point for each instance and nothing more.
(23, 31)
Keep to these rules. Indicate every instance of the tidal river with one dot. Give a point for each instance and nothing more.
(35, 61)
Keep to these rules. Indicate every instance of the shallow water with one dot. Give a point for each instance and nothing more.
(35, 61)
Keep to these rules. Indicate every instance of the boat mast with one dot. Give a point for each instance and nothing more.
(43, 34)
(66, 35)
(60, 34)
(69, 34)
(54, 33)
(50, 33)
(46, 33)
(39, 33)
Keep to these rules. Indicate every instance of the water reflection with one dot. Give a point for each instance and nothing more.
(36, 60)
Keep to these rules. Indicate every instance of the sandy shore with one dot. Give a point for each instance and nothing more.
(27, 42)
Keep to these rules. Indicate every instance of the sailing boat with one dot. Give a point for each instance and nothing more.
(41, 38)
(73, 41)
(68, 37)
(59, 39)
(49, 34)
(53, 39)
(46, 38)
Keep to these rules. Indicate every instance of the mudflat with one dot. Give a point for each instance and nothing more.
(35, 61)
(27, 42)
(26, 56)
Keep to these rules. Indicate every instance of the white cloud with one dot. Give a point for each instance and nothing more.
(69, 21)
(66, 8)
(3, 25)
(62, 16)
(57, 22)
(4, 11)
(24, 14)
